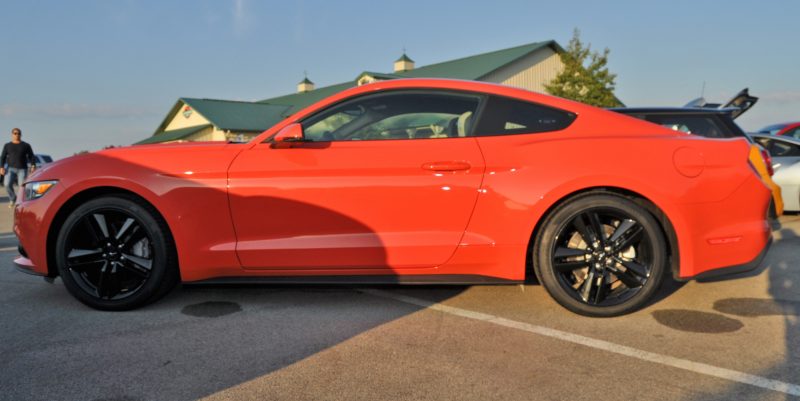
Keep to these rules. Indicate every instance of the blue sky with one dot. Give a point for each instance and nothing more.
(84, 74)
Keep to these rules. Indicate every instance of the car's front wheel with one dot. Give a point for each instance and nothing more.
(115, 253)
(600, 255)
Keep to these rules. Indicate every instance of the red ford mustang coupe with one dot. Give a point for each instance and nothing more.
(405, 181)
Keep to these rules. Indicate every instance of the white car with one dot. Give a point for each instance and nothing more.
(785, 152)
(42, 159)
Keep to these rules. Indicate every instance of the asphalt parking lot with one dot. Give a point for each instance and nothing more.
(727, 340)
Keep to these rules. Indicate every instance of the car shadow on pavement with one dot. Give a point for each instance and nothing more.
(199, 341)
(783, 303)
(195, 342)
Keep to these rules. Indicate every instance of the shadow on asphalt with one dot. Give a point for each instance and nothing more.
(195, 342)
(784, 301)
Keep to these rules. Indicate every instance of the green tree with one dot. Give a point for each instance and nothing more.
(585, 77)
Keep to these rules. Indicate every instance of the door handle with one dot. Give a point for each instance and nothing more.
(447, 166)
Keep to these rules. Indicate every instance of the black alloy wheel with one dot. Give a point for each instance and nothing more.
(601, 255)
(115, 253)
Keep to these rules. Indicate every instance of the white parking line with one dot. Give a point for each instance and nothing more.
(697, 367)
(10, 248)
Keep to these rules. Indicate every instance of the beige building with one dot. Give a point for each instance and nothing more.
(529, 66)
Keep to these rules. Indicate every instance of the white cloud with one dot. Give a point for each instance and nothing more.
(240, 20)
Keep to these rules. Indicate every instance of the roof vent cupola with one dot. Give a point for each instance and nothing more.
(305, 85)
(404, 63)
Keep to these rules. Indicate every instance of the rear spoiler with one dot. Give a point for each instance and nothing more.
(740, 103)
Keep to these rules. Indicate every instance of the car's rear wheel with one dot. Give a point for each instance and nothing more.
(115, 253)
(600, 255)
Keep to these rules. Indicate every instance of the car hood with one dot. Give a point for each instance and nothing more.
(211, 158)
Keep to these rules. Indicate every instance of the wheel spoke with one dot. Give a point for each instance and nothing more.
(135, 235)
(634, 235)
(102, 281)
(602, 288)
(586, 288)
(634, 267)
(564, 252)
(566, 267)
(127, 224)
(597, 227)
(586, 233)
(81, 259)
(101, 223)
(142, 263)
(135, 269)
(113, 284)
(623, 228)
(628, 278)
(94, 230)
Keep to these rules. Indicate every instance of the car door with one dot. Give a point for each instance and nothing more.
(384, 181)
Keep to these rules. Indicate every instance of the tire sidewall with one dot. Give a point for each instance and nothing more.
(158, 241)
(566, 212)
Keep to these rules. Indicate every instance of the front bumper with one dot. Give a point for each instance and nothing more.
(25, 265)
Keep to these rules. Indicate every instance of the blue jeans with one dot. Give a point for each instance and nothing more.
(14, 174)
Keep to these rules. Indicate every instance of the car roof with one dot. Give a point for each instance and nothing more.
(673, 110)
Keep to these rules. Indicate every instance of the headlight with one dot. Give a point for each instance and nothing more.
(37, 189)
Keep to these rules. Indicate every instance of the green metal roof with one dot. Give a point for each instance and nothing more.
(378, 75)
(173, 135)
(237, 116)
(296, 101)
(470, 68)
(474, 67)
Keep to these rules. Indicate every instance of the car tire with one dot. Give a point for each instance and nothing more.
(116, 253)
(610, 274)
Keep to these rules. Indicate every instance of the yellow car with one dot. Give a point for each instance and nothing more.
(762, 162)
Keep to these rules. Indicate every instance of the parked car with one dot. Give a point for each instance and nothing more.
(405, 181)
(785, 153)
(714, 121)
(40, 160)
(784, 129)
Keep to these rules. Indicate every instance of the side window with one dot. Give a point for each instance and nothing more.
(795, 133)
(764, 142)
(783, 149)
(403, 115)
(323, 129)
(509, 116)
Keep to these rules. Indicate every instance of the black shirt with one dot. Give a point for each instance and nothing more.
(17, 155)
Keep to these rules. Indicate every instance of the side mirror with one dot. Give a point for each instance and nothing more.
(290, 133)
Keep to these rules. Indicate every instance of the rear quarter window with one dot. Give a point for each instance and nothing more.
(503, 116)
